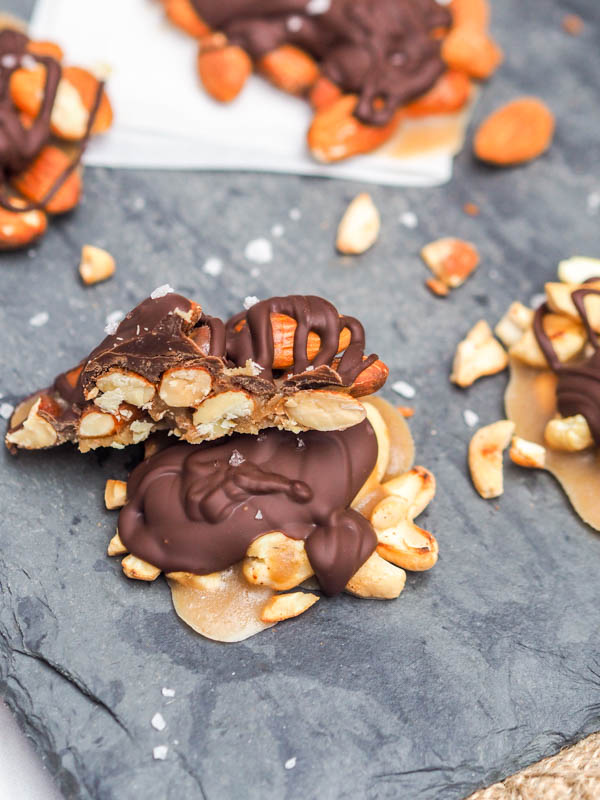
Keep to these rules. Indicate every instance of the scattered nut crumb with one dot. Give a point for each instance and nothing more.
(406, 411)
(527, 454)
(477, 355)
(96, 264)
(572, 24)
(451, 260)
(437, 287)
(160, 753)
(213, 266)
(39, 319)
(404, 389)
(290, 763)
(158, 722)
(259, 250)
(472, 209)
(359, 227)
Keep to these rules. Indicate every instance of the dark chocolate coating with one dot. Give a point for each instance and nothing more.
(380, 49)
(20, 145)
(578, 385)
(255, 339)
(191, 509)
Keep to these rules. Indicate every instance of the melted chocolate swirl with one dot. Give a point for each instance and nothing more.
(382, 50)
(578, 385)
(198, 508)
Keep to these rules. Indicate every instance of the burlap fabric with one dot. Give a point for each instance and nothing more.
(572, 774)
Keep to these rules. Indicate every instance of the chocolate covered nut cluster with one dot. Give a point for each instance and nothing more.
(292, 363)
(45, 110)
(365, 65)
(243, 527)
(553, 398)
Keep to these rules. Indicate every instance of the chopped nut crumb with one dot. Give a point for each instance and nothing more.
(472, 209)
(572, 24)
(406, 411)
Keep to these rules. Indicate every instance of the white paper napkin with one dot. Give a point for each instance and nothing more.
(164, 119)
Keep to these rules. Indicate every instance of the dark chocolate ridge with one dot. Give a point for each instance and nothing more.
(578, 384)
(19, 145)
(380, 49)
(191, 509)
(254, 341)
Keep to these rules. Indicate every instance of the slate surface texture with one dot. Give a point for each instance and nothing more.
(481, 666)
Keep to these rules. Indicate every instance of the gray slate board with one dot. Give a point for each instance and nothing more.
(483, 665)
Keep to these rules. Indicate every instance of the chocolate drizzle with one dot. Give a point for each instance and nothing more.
(381, 49)
(254, 340)
(198, 508)
(578, 385)
(19, 144)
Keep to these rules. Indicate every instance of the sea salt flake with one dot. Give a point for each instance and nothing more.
(593, 202)
(161, 291)
(160, 753)
(258, 514)
(404, 389)
(277, 231)
(295, 213)
(318, 6)
(537, 300)
(290, 763)
(158, 722)
(409, 219)
(9, 61)
(470, 417)
(28, 62)
(300, 443)
(213, 266)
(259, 250)
(112, 321)
(6, 410)
(39, 319)
(168, 692)
(294, 24)
(249, 301)
(236, 458)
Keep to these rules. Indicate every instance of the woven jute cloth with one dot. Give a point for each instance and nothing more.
(572, 774)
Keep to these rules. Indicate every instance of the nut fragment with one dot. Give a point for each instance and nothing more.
(118, 386)
(95, 424)
(139, 570)
(519, 131)
(437, 287)
(96, 264)
(485, 457)
(19, 229)
(286, 606)
(560, 300)
(116, 546)
(451, 260)
(477, 355)
(289, 68)
(223, 68)
(183, 14)
(406, 545)
(415, 487)
(34, 432)
(578, 269)
(514, 323)
(183, 387)
(527, 454)
(567, 336)
(569, 433)
(41, 176)
(322, 410)
(115, 494)
(359, 227)
(471, 50)
(377, 579)
(278, 561)
(204, 583)
(222, 410)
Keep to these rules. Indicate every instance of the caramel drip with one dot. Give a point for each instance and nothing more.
(382, 50)
(255, 339)
(578, 384)
(197, 508)
(20, 145)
